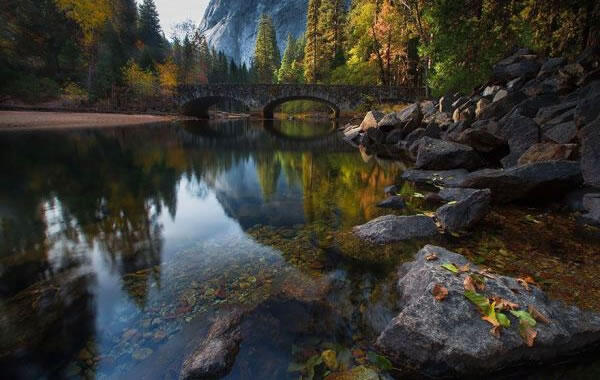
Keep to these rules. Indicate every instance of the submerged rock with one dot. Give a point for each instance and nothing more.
(393, 202)
(540, 179)
(392, 228)
(449, 338)
(216, 354)
(466, 211)
(447, 178)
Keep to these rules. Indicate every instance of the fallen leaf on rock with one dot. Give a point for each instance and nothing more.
(524, 316)
(537, 315)
(450, 267)
(469, 284)
(479, 300)
(440, 292)
(418, 195)
(431, 257)
(464, 268)
(474, 283)
(527, 332)
(452, 203)
(486, 272)
(503, 304)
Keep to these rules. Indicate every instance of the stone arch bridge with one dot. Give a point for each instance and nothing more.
(264, 98)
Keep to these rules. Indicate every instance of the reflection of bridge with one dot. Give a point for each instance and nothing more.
(264, 98)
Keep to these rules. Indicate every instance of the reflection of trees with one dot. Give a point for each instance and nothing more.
(268, 169)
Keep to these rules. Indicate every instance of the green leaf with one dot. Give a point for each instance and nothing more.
(524, 317)
(479, 300)
(452, 203)
(451, 267)
(379, 361)
(531, 219)
(503, 320)
(418, 195)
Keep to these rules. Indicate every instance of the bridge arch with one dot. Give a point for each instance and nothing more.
(269, 108)
(198, 107)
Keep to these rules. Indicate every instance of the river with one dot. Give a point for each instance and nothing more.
(120, 246)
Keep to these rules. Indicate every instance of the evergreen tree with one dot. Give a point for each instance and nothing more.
(330, 30)
(150, 34)
(312, 48)
(266, 53)
(291, 68)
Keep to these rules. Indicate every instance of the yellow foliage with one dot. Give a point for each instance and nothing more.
(167, 76)
(141, 82)
(89, 14)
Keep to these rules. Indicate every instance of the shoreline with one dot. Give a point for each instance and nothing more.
(51, 119)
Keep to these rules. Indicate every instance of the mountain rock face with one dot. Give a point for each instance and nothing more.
(230, 25)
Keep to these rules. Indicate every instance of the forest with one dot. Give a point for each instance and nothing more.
(94, 51)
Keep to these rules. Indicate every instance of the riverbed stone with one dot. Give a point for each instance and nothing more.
(216, 353)
(465, 211)
(444, 155)
(448, 338)
(539, 180)
(393, 228)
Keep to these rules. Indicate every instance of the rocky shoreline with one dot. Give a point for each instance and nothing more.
(532, 134)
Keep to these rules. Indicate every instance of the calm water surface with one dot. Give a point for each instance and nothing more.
(120, 247)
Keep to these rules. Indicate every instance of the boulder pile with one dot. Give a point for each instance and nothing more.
(534, 126)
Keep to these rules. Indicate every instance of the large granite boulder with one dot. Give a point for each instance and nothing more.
(521, 133)
(216, 353)
(591, 204)
(371, 119)
(407, 119)
(539, 180)
(588, 104)
(590, 153)
(548, 152)
(444, 155)
(465, 211)
(501, 107)
(449, 338)
(481, 140)
(562, 133)
(516, 66)
(392, 228)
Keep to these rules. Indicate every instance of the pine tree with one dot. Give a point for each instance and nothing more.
(312, 48)
(150, 34)
(266, 53)
(330, 30)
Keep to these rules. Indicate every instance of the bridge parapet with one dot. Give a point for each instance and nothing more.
(264, 98)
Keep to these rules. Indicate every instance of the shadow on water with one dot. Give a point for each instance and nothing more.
(118, 247)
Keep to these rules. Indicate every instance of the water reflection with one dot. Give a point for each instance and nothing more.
(113, 240)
